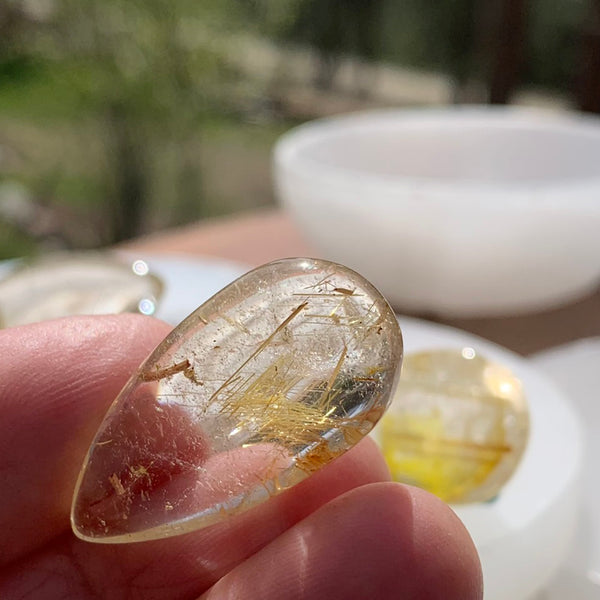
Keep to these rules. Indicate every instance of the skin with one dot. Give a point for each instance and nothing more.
(346, 532)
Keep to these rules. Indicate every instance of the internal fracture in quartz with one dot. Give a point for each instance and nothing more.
(272, 378)
(458, 425)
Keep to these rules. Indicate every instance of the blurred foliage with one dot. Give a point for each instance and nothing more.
(449, 37)
(103, 109)
(554, 50)
(119, 117)
(433, 35)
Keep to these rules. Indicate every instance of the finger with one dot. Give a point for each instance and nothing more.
(378, 541)
(57, 380)
(185, 566)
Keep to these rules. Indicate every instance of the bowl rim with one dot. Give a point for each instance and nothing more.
(288, 157)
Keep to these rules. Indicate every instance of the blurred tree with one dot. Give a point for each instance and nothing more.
(588, 96)
(334, 29)
(149, 76)
(497, 44)
(147, 70)
(503, 26)
(553, 48)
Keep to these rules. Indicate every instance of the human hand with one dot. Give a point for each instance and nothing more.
(346, 532)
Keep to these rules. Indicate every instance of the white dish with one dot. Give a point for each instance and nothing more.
(522, 536)
(459, 211)
(575, 369)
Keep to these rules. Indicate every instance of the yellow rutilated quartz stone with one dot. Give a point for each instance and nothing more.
(458, 425)
(272, 378)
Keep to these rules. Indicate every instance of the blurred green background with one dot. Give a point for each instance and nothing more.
(122, 117)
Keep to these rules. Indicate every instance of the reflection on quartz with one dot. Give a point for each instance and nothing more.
(468, 353)
(146, 306)
(78, 283)
(140, 267)
(458, 425)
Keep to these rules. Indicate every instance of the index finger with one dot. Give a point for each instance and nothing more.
(57, 380)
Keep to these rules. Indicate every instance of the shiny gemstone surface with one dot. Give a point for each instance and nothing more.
(458, 425)
(273, 377)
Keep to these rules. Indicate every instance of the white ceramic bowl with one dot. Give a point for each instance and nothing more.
(459, 211)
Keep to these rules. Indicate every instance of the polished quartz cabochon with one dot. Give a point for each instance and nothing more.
(275, 376)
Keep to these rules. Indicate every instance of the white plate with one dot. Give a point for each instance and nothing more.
(522, 536)
(575, 368)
